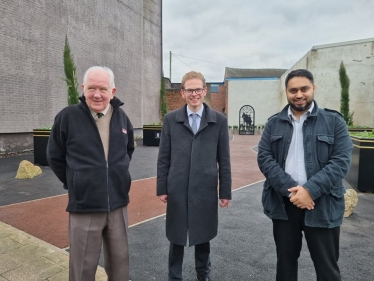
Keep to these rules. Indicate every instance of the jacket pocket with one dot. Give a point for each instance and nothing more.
(90, 188)
(268, 198)
(276, 144)
(330, 208)
(337, 206)
(324, 147)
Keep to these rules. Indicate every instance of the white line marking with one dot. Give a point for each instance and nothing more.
(147, 220)
(159, 216)
(144, 179)
(253, 149)
(247, 185)
(33, 200)
(56, 196)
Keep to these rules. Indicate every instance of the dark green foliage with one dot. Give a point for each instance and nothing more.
(163, 107)
(70, 75)
(344, 95)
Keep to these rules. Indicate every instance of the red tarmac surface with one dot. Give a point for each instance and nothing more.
(47, 219)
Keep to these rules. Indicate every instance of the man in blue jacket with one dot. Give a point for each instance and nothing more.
(304, 153)
(89, 150)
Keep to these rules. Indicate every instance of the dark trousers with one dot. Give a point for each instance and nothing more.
(323, 245)
(202, 260)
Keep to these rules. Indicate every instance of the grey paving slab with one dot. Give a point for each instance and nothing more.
(61, 276)
(20, 238)
(5, 232)
(34, 259)
(58, 258)
(29, 252)
(36, 270)
(7, 245)
(7, 264)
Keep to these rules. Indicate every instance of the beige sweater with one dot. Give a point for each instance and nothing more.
(103, 126)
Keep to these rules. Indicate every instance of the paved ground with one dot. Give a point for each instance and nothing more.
(33, 227)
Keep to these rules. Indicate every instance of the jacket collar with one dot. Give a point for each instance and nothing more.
(115, 102)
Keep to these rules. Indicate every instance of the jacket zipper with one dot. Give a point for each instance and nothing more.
(107, 183)
(107, 165)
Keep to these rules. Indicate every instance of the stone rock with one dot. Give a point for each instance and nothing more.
(351, 200)
(27, 170)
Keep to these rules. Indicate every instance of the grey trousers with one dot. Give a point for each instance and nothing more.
(86, 233)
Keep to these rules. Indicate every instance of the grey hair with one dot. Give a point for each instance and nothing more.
(107, 69)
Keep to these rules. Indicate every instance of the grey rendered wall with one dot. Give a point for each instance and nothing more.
(324, 62)
(124, 35)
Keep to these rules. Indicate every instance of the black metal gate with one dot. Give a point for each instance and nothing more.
(246, 120)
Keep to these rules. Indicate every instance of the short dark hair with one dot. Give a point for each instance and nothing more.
(299, 73)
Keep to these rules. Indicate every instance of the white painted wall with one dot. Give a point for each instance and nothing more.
(262, 95)
(324, 61)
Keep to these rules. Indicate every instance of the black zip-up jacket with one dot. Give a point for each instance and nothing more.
(75, 153)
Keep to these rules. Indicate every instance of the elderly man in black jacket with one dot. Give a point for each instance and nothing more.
(194, 155)
(89, 150)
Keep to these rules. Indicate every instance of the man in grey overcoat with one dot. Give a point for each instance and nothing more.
(193, 172)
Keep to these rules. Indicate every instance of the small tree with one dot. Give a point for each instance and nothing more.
(163, 107)
(70, 75)
(344, 95)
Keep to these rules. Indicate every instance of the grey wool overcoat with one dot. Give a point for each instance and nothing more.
(189, 169)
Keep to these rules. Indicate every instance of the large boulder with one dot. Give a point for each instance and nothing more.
(27, 170)
(351, 200)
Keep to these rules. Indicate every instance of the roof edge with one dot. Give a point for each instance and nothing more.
(316, 47)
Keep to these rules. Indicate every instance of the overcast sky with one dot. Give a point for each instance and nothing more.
(209, 35)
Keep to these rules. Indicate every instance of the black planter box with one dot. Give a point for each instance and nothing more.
(360, 129)
(151, 135)
(361, 173)
(41, 138)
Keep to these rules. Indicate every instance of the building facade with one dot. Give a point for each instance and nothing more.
(324, 62)
(125, 35)
(264, 89)
(257, 88)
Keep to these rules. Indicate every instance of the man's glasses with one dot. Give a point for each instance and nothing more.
(198, 91)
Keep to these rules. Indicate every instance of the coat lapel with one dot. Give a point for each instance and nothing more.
(209, 116)
(181, 117)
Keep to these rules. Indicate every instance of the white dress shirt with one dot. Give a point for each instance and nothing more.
(295, 162)
(198, 118)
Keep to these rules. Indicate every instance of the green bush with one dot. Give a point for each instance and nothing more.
(163, 107)
(365, 134)
(70, 75)
(344, 95)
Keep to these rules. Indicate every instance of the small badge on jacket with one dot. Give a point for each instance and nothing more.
(124, 131)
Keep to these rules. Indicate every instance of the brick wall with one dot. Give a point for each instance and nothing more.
(174, 99)
(218, 100)
(124, 35)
